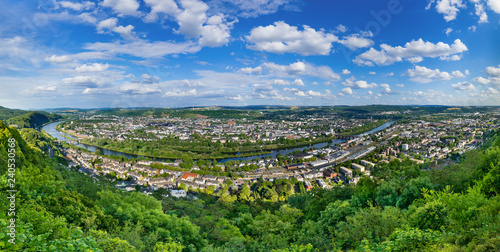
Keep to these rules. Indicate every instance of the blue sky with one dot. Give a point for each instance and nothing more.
(177, 53)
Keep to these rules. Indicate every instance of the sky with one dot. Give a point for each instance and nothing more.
(181, 53)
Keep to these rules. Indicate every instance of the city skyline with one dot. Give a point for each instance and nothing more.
(128, 53)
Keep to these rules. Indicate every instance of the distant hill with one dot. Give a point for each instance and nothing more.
(33, 119)
(6, 113)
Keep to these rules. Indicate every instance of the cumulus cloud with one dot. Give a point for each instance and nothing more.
(264, 91)
(110, 24)
(451, 8)
(413, 51)
(298, 82)
(96, 67)
(493, 71)
(356, 41)
(425, 75)
(148, 79)
(482, 81)
(249, 70)
(300, 68)
(466, 86)
(283, 38)
(345, 71)
(346, 90)
(123, 7)
(281, 82)
(193, 21)
(351, 82)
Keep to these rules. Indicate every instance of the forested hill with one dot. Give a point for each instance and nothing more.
(6, 113)
(33, 119)
(406, 208)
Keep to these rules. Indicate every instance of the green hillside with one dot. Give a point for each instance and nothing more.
(33, 119)
(6, 113)
(407, 208)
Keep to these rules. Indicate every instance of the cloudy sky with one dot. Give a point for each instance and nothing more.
(177, 53)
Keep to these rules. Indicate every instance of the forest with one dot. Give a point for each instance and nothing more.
(406, 207)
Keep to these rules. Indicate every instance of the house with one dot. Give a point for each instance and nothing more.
(199, 181)
(178, 193)
(321, 183)
(189, 176)
(308, 185)
(329, 174)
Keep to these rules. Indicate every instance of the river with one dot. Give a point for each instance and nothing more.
(51, 130)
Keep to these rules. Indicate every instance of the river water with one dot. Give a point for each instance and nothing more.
(51, 129)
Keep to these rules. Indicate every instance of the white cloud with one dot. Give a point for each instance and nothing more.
(148, 79)
(238, 98)
(110, 24)
(188, 83)
(449, 8)
(281, 82)
(346, 90)
(135, 88)
(351, 82)
(86, 5)
(168, 7)
(58, 59)
(472, 28)
(123, 7)
(482, 81)
(341, 28)
(179, 93)
(390, 74)
(463, 86)
(84, 81)
(356, 41)
(193, 21)
(371, 72)
(300, 68)
(425, 75)
(298, 82)
(400, 85)
(283, 38)
(494, 5)
(96, 67)
(345, 71)
(249, 70)
(263, 91)
(447, 31)
(493, 71)
(143, 48)
(413, 51)
(483, 17)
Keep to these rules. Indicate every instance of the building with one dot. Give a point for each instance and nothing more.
(368, 164)
(178, 193)
(357, 167)
(346, 171)
(405, 147)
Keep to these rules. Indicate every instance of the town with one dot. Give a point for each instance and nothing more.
(343, 160)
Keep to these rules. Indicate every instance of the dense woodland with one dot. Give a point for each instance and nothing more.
(408, 207)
